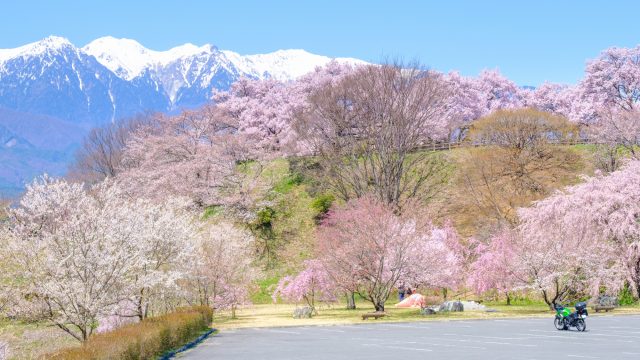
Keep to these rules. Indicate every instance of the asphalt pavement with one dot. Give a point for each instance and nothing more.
(610, 337)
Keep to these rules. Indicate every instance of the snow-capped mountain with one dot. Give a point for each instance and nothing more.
(112, 78)
(188, 73)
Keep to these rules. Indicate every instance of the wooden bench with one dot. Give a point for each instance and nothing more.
(605, 308)
(374, 315)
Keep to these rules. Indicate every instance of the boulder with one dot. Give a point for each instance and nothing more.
(303, 312)
(605, 300)
(472, 305)
(451, 306)
(427, 311)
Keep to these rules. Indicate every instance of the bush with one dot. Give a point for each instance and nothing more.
(322, 204)
(626, 296)
(145, 340)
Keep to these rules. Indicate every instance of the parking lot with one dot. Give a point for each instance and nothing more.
(607, 337)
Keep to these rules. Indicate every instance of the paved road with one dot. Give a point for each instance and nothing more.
(607, 337)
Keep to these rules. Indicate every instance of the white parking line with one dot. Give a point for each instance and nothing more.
(330, 330)
(398, 347)
(405, 326)
(282, 331)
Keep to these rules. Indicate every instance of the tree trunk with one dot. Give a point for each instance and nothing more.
(444, 293)
(508, 298)
(379, 306)
(233, 311)
(351, 301)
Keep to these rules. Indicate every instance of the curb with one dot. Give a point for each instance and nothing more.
(191, 345)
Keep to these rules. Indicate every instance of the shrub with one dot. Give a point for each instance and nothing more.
(626, 296)
(145, 340)
(322, 204)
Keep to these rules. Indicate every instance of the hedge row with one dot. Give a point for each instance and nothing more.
(145, 340)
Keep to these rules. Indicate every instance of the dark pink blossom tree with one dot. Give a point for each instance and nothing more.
(365, 247)
(311, 284)
(493, 267)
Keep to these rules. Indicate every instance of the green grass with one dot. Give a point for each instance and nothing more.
(264, 291)
(32, 340)
(276, 315)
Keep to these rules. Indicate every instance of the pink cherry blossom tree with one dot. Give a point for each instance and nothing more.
(619, 128)
(312, 284)
(493, 266)
(498, 91)
(613, 79)
(197, 154)
(465, 103)
(265, 110)
(595, 226)
(365, 247)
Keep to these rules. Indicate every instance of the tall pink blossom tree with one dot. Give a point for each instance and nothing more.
(465, 103)
(597, 223)
(619, 128)
(365, 247)
(613, 79)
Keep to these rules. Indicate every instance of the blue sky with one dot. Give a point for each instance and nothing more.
(530, 42)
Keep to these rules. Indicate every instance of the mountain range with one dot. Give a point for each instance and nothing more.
(52, 92)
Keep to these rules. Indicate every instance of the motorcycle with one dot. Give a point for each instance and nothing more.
(566, 319)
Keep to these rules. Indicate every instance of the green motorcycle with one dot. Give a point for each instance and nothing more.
(566, 319)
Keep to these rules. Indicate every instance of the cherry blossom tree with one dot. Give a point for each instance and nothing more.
(552, 98)
(224, 269)
(466, 103)
(311, 284)
(619, 128)
(198, 155)
(589, 233)
(368, 249)
(613, 79)
(493, 266)
(265, 110)
(498, 91)
(165, 239)
(82, 253)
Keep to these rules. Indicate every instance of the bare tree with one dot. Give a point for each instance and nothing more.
(100, 155)
(516, 157)
(367, 129)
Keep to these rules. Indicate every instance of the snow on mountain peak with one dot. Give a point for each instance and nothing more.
(125, 57)
(49, 44)
(128, 58)
(282, 65)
